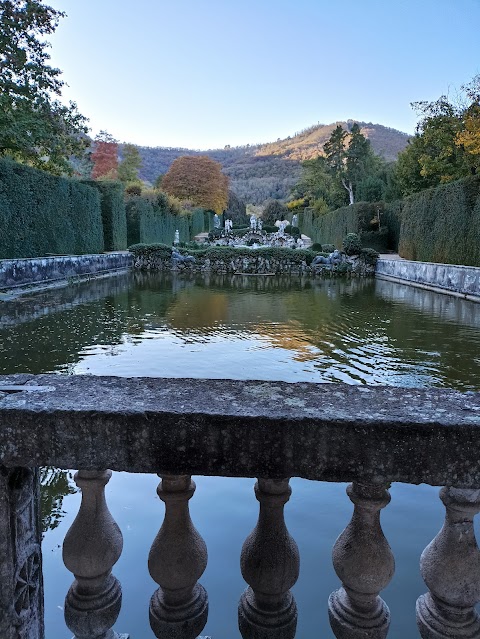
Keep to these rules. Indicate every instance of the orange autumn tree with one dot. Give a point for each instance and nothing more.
(198, 179)
(105, 157)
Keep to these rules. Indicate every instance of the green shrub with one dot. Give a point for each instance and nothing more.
(318, 248)
(41, 214)
(227, 253)
(352, 244)
(133, 189)
(370, 255)
(113, 213)
(294, 231)
(328, 248)
(378, 240)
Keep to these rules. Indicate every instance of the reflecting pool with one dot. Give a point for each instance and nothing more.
(241, 327)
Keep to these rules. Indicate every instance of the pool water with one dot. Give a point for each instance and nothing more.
(239, 327)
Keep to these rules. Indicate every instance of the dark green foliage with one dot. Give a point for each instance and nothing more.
(391, 219)
(294, 231)
(371, 189)
(352, 244)
(113, 213)
(317, 247)
(153, 219)
(370, 255)
(327, 248)
(330, 228)
(41, 214)
(227, 253)
(273, 211)
(133, 189)
(236, 210)
(441, 224)
(35, 127)
(162, 251)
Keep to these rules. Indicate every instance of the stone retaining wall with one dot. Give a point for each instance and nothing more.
(254, 265)
(44, 270)
(461, 281)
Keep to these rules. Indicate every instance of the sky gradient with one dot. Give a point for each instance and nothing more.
(206, 74)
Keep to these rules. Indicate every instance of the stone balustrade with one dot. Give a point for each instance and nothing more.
(367, 436)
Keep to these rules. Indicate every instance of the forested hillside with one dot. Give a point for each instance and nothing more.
(265, 171)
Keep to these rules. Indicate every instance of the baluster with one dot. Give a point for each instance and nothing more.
(270, 565)
(91, 548)
(177, 559)
(450, 566)
(365, 565)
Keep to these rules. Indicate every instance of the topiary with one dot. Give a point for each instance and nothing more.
(317, 247)
(328, 248)
(352, 245)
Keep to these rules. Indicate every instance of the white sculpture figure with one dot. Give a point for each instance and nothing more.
(259, 224)
(282, 225)
(300, 242)
(216, 221)
(177, 237)
(228, 225)
(253, 222)
(295, 220)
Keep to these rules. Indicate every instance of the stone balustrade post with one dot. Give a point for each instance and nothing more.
(177, 559)
(270, 564)
(91, 548)
(364, 562)
(450, 566)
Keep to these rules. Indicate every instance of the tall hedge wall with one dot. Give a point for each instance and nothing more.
(113, 213)
(331, 228)
(41, 214)
(152, 220)
(441, 224)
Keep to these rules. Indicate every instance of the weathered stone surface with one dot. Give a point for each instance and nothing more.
(21, 586)
(35, 270)
(255, 264)
(462, 280)
(242, 428)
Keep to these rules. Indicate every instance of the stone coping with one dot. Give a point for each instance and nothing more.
(331, 432)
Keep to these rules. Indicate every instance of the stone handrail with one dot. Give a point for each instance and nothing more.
(327, 432)
(269, 430)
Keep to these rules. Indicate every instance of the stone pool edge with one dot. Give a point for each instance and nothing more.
(450, 279)
(26, 275)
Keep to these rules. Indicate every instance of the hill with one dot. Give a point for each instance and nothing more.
(263, 171)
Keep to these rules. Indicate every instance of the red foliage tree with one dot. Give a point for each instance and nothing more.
(105, 157)
(198, 179)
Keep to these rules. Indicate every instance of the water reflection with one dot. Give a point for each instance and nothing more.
(56, 484)
(226, 326)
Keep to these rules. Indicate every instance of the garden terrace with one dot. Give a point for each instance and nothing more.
(369, 436)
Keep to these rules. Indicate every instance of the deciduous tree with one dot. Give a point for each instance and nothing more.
(198, 179)
(35, 127)
(105, 157)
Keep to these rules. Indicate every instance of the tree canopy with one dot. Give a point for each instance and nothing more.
(130, 164)
(105, 157)
(198, 179)
(446, 145)
(35, 127)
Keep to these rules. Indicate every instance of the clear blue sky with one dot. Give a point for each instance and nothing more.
(203, 74)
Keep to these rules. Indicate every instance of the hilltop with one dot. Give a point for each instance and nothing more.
(262, 171)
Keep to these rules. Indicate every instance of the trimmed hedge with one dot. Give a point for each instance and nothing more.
(41, 214)
(152, 220)
(113, 213)
(331, 228)
(441, 224)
